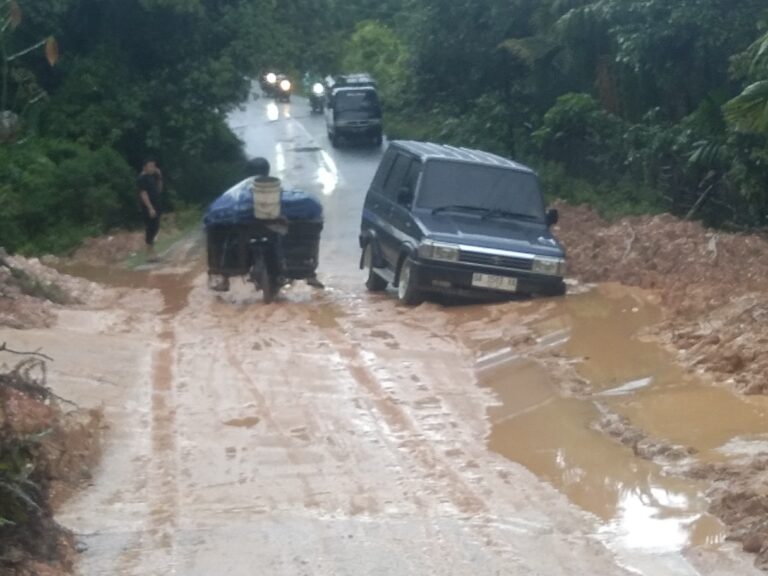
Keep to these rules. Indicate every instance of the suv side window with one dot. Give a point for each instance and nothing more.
(384, 169)
(396, 177)
(410, 182)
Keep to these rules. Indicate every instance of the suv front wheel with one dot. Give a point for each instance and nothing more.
(407, 290)
(374, 282)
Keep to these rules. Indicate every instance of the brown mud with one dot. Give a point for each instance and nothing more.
(713, 293)
(652, 435)
(713, 286)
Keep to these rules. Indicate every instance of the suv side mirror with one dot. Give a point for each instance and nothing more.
(552, 217)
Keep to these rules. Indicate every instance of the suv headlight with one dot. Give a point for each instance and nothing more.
(550, 266)
(438, 251)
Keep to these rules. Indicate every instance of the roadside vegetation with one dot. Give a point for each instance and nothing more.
(631, 107)
(44, 454)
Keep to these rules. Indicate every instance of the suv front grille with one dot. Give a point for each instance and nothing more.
(496, 260)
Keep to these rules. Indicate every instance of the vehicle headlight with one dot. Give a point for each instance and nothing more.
(317, 89)
(438, 251)
(550, 266)
(271, 77)
(285, 85)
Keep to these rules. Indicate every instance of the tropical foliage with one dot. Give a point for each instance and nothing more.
(651, 105)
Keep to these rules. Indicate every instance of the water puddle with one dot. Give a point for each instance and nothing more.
(174, 287)
(247, 422)
(538, 426)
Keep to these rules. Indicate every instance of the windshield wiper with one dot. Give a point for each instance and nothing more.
(494, 212)
(458, 207)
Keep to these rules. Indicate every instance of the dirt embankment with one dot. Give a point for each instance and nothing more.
(110, 250)
(30, 291)
(47, 446)
(713, 286)
(714, 290)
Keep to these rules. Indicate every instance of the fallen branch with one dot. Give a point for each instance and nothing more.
(701, 199)
(30, 377)
(4, 348)
(630, 242)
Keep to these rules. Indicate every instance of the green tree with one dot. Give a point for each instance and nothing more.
(749, 110)
(375, 48)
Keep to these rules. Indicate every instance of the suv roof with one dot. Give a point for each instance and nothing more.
(354, 88)
(343, 80)
(429, 151)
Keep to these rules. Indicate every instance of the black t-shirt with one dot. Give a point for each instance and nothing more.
(149, 183)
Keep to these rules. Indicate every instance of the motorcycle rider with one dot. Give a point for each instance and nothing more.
(260, 167)
(236, 205)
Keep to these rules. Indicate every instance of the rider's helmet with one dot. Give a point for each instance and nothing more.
(258, 166)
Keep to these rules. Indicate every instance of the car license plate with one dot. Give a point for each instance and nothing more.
(494, 282)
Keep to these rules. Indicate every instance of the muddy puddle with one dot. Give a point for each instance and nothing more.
(173, 285)
(604, 334)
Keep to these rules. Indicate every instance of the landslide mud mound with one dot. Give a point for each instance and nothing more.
(46, 450)
(739, 498)
(713, 285)
(109, 250)
(30, 292)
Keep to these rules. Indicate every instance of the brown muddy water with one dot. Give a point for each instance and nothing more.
(604, 332)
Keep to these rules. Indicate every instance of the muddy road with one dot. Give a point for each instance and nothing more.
(336, 432)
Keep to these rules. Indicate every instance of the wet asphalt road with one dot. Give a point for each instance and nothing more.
(336, 432)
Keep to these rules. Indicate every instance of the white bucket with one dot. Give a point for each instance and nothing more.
(266, 197)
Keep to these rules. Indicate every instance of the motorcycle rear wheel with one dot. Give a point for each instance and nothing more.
(268, 286)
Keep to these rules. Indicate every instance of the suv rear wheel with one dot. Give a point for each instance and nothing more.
(407, 290)
(374, 282)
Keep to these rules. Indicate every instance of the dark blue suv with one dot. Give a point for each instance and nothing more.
(445, 219)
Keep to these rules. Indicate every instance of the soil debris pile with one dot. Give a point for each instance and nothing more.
(713, 285)
(30, 291)
(45, 453)
(642, 444)
(109, 250)
(739, 498)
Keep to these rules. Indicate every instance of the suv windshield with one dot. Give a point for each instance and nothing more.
(361, 103)
(504, 191)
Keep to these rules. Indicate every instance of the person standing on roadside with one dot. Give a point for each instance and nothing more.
(150, 186)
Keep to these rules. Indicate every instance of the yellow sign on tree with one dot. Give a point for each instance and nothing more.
(52, 50)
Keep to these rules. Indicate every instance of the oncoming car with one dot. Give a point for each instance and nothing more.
(353, 110)
(444, 219)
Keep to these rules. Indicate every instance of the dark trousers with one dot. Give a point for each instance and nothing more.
(151, 228)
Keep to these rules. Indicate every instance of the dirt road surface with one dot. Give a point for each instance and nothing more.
(337, 433)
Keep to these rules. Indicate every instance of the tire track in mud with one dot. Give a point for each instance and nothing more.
(286, 441)
(162, 485)
(471, 507)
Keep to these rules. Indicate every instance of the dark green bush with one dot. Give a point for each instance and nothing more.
(55, 193)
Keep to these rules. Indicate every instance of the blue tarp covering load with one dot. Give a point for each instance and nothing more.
(235, 206)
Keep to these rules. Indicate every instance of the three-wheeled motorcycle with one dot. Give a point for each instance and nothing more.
(269, 253)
